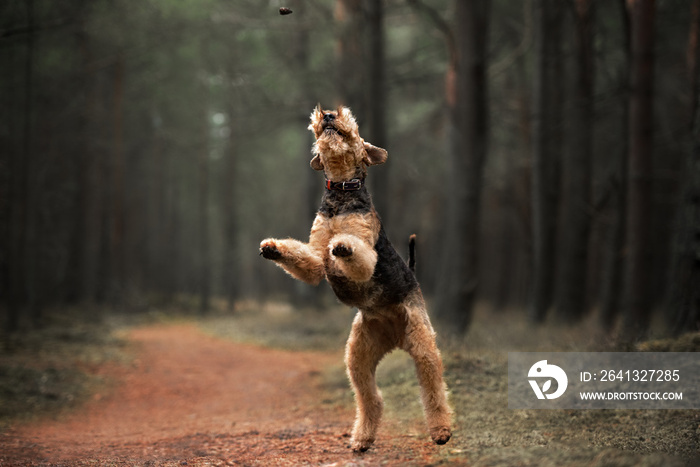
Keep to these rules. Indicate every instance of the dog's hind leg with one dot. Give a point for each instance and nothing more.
(420, 344)
(364, 350)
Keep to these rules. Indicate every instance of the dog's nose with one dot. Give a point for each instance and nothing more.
(328, 117)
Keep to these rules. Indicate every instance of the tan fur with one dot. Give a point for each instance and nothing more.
(305, 261)
(340, 154)
(359, 266)
(344, 245)
(406, 327)
(298, 259)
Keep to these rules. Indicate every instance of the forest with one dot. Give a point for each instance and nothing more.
(545, 153)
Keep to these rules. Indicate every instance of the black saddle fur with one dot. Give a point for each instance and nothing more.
(392, 280)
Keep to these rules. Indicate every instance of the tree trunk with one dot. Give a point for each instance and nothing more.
(75, 275)
(684, 290)
(32, 245)
(693, 62)
(376, 105)
(615, 240)
(351, 66)
(172, 251)
(203, 215)
(545, 153)
(104, 261)
(18, 257)
(573, 266)
(159, 170)
(118, 217)
(231, 271)
(637, 303)
(684, 286)
(467, 152)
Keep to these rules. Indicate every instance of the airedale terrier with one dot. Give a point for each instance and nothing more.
(348, 246)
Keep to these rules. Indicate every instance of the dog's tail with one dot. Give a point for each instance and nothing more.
(412, 253)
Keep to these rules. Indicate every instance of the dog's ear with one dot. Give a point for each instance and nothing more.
(316, 117)
(345, 112)
(316, 163)
(374, 155)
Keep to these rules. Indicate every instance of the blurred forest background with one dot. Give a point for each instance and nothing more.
(545, 152)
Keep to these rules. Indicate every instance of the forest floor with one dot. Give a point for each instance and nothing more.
(266, 386)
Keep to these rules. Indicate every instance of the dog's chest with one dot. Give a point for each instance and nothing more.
(391, 281)
(365, 226)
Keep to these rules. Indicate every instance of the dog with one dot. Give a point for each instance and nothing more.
(349, 248)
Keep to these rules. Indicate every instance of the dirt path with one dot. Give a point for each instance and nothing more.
(192, 399)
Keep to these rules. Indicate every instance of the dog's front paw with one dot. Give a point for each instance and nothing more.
(268, 250)
(440, 435)
(341, 250)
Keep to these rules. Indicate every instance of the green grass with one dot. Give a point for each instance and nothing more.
(45, 371)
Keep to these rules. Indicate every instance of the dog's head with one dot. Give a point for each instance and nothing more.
(339, 151)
